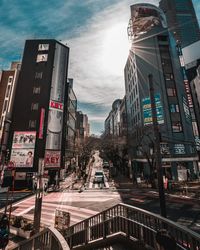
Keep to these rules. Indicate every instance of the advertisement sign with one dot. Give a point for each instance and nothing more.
(56, 105)
(55, 113)
(42, 58)
(186, 110)
(52, 159)
(179, 149)
(22, 157)
(182, 174)
(145, 17)
(43, 46)
(24, 139)
(147, 110)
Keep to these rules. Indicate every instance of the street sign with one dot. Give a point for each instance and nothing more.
(62, 219)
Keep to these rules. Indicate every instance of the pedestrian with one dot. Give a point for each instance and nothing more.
(165, 241)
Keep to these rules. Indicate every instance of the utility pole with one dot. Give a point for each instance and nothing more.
(157, 148)
(38, 197)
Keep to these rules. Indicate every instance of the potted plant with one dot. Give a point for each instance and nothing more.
(21, 227)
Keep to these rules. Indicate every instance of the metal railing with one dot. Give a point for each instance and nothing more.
(48, 239)
(134, 223)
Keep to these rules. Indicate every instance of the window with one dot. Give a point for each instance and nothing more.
(42, 58)
(10, 79)
(8, 91)
(38, 75)
(5, 105)
(176, 127)
(171, 92)
(34, 106)
(32, 124)
(36, 90)
(174, 108)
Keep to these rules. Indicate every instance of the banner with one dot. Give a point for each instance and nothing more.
(22, 157)
(24, 139)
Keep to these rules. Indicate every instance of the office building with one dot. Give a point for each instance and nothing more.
(153, 52)
(39, 115)
(181, 20)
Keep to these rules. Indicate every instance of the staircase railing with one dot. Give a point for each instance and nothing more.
(48, 239)
(134, 223)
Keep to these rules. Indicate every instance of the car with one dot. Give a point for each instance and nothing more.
(99, 176)
(106, 164)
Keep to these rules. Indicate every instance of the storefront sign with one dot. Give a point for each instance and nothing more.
(52, 159)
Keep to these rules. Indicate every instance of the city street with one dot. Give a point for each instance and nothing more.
(93, 199)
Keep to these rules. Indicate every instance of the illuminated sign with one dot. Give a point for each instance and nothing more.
(147, 113)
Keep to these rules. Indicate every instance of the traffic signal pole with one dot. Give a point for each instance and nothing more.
(158, 157)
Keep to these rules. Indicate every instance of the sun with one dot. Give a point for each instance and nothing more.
(115, 48)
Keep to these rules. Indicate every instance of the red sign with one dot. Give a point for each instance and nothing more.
(11, 165)
(56, 105)
(41, 128)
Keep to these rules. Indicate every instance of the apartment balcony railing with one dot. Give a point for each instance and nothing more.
(48, 239)
(133, 223)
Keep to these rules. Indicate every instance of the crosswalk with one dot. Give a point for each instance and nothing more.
(61, 201)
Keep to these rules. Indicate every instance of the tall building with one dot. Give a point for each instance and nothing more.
(8, 82)
(38, 127)
(182, 20)
(82, 127)
(154, 52)
(70, 122)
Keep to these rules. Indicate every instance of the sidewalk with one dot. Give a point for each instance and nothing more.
(191, 189)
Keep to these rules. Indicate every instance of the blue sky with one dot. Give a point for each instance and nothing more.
(95, 31)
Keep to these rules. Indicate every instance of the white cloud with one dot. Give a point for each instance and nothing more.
(98, 55)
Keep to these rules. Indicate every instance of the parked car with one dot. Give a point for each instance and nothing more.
(99, 176)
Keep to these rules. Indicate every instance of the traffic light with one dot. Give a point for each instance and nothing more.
(4, 231)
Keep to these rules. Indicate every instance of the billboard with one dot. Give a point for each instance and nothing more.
(56, 104)
(24, 139)
(23, 146)
(52, 159)
(147, 113)
(23, 158)
(145, 17)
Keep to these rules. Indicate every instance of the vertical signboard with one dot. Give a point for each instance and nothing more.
(56, 104)
(147, 113)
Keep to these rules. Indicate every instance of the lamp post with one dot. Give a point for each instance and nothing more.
(158, 157)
